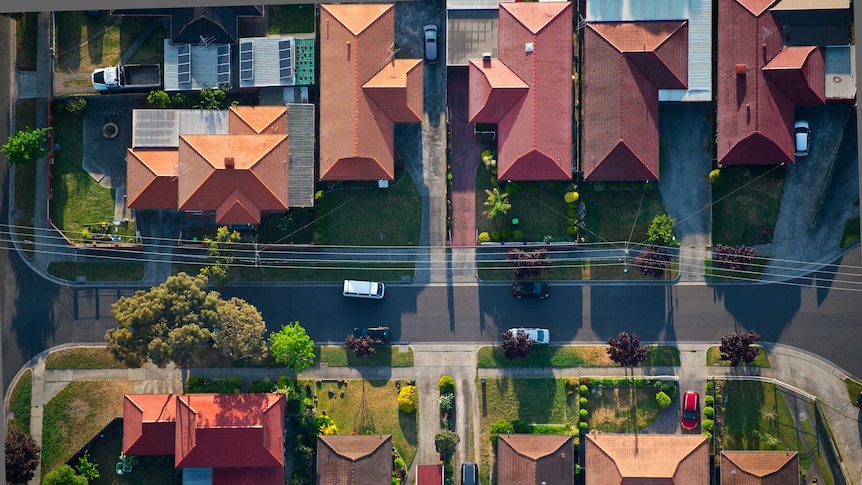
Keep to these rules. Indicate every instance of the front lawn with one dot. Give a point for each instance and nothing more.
(384, 356)
(87, 43)
(100, 271)
(713, 357)
(367, 406)
(76, 414)
(20, 401)
(622, 409)
(571, 356)
(83, 358)
(619, 211)
(745, 207)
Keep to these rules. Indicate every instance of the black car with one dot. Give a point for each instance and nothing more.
(378, 334)
(531, 289)
(859, 400)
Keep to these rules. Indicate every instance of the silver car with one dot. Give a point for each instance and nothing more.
(803, 134)
(540, 336)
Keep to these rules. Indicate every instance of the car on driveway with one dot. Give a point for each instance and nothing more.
(531, 289)
(430, 43)
(540, 336)
(378, 334)
(690, 410)
(802, 137)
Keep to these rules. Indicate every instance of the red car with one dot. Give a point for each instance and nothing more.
(690, 410)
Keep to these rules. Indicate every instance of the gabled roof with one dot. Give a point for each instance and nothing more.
(529, 458)
(363, 91)
(527, 92)
(151, 178)
(148, 424)
(625, 64)
(354, 459)
(260, 120)
(636, 458)
(800, 73)
(759, 467)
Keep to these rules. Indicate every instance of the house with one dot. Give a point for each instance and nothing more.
(760, 81)
(216, 438)
(618, 459)
(364, 91)
(527, 91)
(533, 458)
(354, 460)
(625, 65)
(759, 467)
(232, 165)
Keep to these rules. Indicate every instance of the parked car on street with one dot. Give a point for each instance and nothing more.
(690, 410)
(802, 137)
(531, 289)
(378, 334)
(540, 336)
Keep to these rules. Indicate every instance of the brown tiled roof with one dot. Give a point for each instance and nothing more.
(354, 459)
(535, 134)
(532, 458)
(250, 120)
(259, 171)
(625, 64)
(759, 467)
(800, 73)
(356, 133)
(647, 458)
(494, 90)
(151, 178)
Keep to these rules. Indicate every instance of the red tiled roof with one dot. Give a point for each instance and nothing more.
(249, 120)
(625, 64)
(800, 72)
(647, 458)
(356, 133)
(528, 458)
(535, 134)
(229, 430)
(759, 467)
(238, 208)
(259, 171)
(151, 181)
(354, 459)
(429, 475)
(148, 424)
(494, 90)
(273, 475)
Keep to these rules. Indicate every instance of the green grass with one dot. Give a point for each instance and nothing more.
(745, 207)
(83, 358)
(622, 409)
(101, 271)
(853, 388)
(621, 212)
(25, 38)
(76, 414)
(570, 356)
(713, 357)
(534, 401)
(25, 180)
(369, 405)
(851, 233)
(385, 356)
(371, 216)
(757, 417)
(754, 272)
(20, 401)
(290, 19)
(303, 271)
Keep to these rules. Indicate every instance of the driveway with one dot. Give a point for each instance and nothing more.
(105, 158)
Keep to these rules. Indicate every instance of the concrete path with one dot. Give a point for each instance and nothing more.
(796, 371)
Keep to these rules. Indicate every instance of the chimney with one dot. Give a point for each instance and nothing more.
(228, 162)
(740, 69)
(486, 59)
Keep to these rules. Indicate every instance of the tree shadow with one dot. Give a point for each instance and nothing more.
(644, 312)
(407, 422)
(768, 309)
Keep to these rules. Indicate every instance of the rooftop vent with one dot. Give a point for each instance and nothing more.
(228, 162)
(486, 56)
(528, 47)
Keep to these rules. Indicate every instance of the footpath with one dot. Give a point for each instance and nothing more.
(796, 372)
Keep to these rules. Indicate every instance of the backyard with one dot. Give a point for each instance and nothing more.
(745, 205)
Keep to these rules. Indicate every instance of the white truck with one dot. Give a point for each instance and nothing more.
(126, 77)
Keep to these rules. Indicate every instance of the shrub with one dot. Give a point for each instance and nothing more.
(709, 400)
(710, 387)
(507, 234)
(708, 412)
(707, 425)
(657, 386)
(599, 186)
(517, 235)
(399, 463)
(640, 381)
(716, 177)
(582, 402)
(669, 388)
(607, 381)
(159, 99)
(571, 197)
(520, 427)
(408, 398)
(660, 231)
(585, 380)
(496, 236)
(447, 402)
(662, 399)
(583, 426)
(583, 414)
(484, 237)
(500, 427)
(583, 389)
(265, 385)
(74, 105)
(707, 434)
(283, 382)
(511, 188)
(571, 383)
(446, 385)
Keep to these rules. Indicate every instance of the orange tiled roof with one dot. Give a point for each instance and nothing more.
(151, 181)
(628, 458)
(247, 120)
(397, 90)
(759, 467)
(494, 90)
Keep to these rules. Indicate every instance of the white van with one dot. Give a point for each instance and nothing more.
(363, 289)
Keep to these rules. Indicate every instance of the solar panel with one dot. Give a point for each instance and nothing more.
(246, 61)
(184, 63)
(224, 64)
(285, 61)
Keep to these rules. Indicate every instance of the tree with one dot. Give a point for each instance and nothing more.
(736, 258)
(446, 441)
(361, 346)
(502, 426)
(516, 346)
(159, 99)
(220, 248)
(497, 204)
(292, 347)
(87, 468)
(660, 231)
(652, 261)
(25, 145)
(528, 264)
(149, 322)
(22, 455)
(737, 348)
(239, 331)
(64, 475)
(626, 350)
(212, 98)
